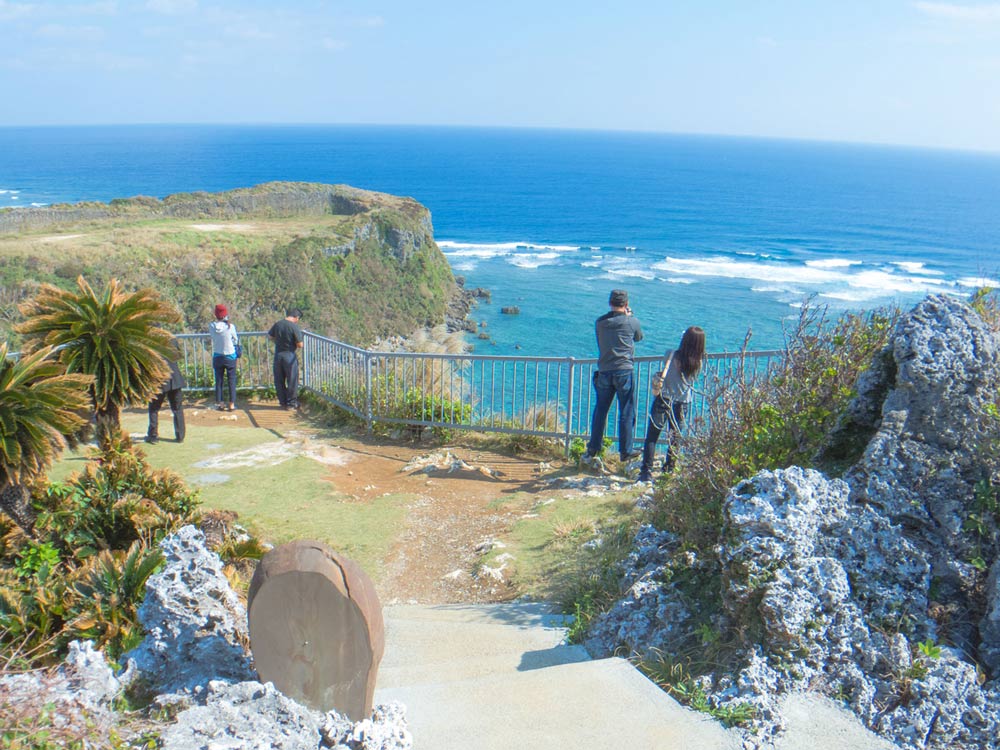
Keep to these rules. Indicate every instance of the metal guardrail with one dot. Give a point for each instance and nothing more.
(542, 396)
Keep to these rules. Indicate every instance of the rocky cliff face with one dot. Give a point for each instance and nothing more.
(881, 589)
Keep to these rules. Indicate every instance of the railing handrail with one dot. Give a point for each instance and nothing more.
(510, 357)
(542, 396)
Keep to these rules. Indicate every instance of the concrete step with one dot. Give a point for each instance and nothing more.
(417, 643)
(501, 676)
(604, 703)
(515, 614)
(405, 675)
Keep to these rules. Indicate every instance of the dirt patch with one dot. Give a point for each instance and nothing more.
(224, 227)
(59, 238)
(460, 500)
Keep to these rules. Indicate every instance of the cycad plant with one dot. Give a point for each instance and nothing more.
(40, 412)
(115, 336)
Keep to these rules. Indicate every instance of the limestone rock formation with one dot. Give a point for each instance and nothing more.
(854, 587)
(191, 657)
(194, 621)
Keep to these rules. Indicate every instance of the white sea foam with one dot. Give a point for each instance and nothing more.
(975, 282)
(832, 263)
(38, 205)
(591, 264)
(532, 260)
(769, 289)
(634, 273)
(502, 248)
(735, 269)
(678, 280)
(845, 280)
(913, 266)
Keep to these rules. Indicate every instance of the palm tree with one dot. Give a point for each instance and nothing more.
(41, 409)
(114, 336)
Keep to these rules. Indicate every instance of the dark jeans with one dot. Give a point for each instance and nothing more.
(224, 366)
(664, 415)
(610, 385)
(176, 406)
(286, 378)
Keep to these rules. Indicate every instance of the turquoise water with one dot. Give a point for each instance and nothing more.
(727, 233)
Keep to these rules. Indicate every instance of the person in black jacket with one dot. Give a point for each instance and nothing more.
(170, 390)
(287, 337)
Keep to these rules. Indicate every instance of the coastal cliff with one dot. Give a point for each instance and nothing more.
(361, 265)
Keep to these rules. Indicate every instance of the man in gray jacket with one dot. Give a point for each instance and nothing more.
(617, 331)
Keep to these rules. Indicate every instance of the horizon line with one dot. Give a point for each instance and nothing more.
(543, 128)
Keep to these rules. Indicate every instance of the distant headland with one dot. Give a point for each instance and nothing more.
(361, 265)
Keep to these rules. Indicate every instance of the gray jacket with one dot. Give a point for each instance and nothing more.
(677, 387)
(616, 337)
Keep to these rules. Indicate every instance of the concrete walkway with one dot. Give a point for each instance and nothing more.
(500, 676)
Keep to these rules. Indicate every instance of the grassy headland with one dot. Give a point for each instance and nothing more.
(360, 265)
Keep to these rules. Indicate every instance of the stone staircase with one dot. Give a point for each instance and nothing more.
(501, 676)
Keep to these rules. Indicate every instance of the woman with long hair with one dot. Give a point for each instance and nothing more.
(224, 342)
(671, 403)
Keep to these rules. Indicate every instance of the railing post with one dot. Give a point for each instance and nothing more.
(569, 406)
(368, 391)
(305, 363)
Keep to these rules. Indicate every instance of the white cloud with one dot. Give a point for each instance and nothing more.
(70, 33)
(952, 12)
(172, 7)
(101, 8)
(371, 22)
(244, 31)
(334, 45)
(13, 11)
(766, 41)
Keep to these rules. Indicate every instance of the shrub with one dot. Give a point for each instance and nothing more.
(770, 422)
(83, 572)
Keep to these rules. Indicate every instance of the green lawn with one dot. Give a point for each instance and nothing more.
(288, 500)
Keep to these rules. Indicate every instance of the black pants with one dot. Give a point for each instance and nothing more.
(664, 415)
(175, 398)
(286, 378)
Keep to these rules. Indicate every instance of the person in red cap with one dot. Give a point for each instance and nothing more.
(224, 343)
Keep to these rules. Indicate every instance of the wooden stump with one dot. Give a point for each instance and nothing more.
(316, 628)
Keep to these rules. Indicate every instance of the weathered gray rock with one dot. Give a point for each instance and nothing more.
(255, 716)
(837, 582)
(989, 626)
(385, 730)
(195, 624)
(81, 690)
(244, 715)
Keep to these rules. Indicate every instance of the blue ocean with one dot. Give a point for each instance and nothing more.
(728, 233)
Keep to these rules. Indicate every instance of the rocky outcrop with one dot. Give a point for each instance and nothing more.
(195, 623)
(871, 588)
(192, 662)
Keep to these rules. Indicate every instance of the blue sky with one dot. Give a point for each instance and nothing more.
(888, 71)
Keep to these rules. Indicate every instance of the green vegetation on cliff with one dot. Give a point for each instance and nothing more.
(361, 265)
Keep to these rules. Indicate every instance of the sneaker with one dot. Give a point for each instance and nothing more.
(586, 459)
(630, 456)
(152, 439)
(644, 478)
